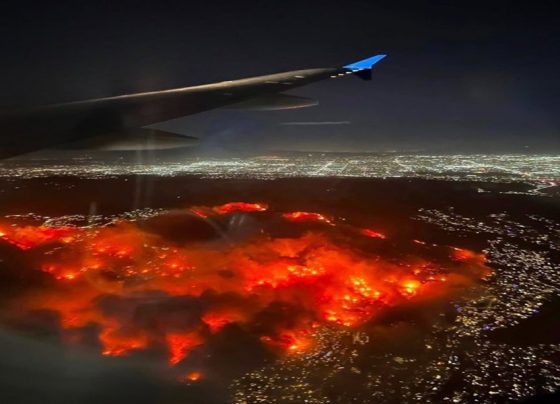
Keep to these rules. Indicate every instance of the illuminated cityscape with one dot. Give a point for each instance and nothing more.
(539, 170)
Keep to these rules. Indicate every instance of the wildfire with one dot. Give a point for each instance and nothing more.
(141, 290)
(116, 343)
(239, 207)
(227, 208)
(31, 236)
(306, 216)
(217, 318)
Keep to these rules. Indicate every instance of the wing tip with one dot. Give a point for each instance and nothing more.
(365, 63)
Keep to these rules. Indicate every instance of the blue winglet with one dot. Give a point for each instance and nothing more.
(365, 63)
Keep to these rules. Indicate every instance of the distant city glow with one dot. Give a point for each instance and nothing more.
(540, 171)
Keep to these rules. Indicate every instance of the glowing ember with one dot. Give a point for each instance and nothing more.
(411, 286)
(461, 254)
(199, 212)
(298, 345)
(192, 376)
(289, 342)
(372, 233)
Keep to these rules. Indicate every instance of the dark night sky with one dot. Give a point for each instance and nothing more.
(459, 76)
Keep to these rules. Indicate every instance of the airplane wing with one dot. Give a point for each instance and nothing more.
(117, 123)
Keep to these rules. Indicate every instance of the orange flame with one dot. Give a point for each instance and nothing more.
(239, 207)
(227, 208)
(116, 343)
(28, 237)
(181, 344)
(306, 216)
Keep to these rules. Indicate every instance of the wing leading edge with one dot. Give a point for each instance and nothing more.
(33, 129)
